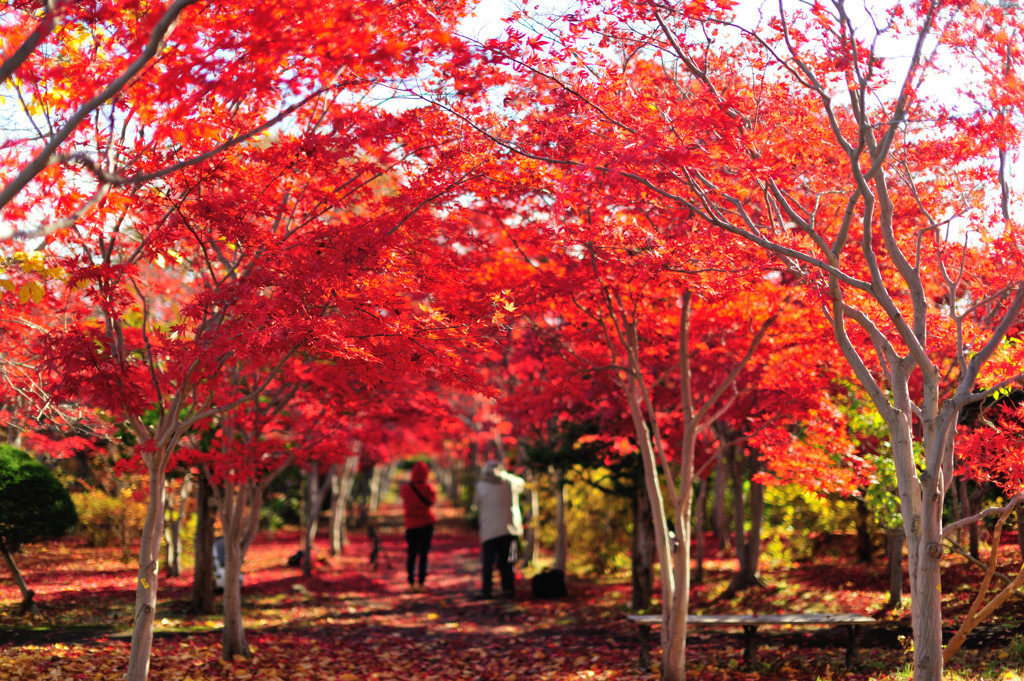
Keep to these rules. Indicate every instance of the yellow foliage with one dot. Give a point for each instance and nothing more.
(31, 292)
(597, 523)
(106, 520)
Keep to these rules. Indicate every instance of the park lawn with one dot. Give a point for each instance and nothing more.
(352, 621)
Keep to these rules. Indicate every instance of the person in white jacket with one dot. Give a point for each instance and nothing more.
(501, 523)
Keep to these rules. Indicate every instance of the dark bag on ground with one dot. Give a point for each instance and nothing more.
(549, 583)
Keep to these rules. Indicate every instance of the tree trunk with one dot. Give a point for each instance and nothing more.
(864, 548)
(233, 641)
(146, 584)
(644, 550)
(449, 474)
(27, 594)
(235, 498)
(341, 488)
(1020, 532)
(532, 548)
(175, 513)
(967, 509)
(719, 519)
(698, 529)
(239, 505)
(739, 529)
(380, 481)
(316, 494)
(672, 668)
(894, 567)
(751, 573)
(560, 538)
(921, 497)
(747, 544)
(734, 456)
(674, 657)
(975, 499)
(926, 607)
(202, 579)
(172, 542)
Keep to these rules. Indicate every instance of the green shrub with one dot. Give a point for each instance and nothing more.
(34, 505)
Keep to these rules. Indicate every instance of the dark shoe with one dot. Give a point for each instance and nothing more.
(482, 596)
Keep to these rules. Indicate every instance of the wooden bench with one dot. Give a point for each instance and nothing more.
(852, 621)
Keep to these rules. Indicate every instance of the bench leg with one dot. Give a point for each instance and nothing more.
(853, 647)
(644, 631)
(749, 644)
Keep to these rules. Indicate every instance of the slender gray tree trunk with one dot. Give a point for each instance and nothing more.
(894, 566)
(644, 550)
(1020, 532)
(239, 506)
(27, 595)
(316, 494)
(236, 504)
(175, 514)
(148, 574)
(699, 543)
(751, 571)
(531, 549)
(341, 489)
(864, 548)
(739, 511)
(202, 580)
(719, 518)
(967, 509)
(560, 524)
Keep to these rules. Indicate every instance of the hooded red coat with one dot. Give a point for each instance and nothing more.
(417, 510)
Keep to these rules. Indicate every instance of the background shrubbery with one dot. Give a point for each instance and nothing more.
(599, 524)
(112, 519)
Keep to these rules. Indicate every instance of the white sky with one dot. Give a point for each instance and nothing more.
(486, 22)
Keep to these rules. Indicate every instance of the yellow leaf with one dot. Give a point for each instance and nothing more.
(31, 291)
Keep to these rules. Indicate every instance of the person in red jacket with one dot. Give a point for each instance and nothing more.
(417, 497)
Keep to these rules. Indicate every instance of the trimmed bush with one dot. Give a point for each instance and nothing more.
(34, 505)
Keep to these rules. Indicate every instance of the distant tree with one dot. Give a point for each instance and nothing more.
(33, 506)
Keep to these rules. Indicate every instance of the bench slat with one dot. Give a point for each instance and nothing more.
(750, 623)
(808, 618)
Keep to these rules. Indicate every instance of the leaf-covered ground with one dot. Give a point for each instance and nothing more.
(351, 621)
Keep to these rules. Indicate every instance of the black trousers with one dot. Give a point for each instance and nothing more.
(500, 550)
(417, 542)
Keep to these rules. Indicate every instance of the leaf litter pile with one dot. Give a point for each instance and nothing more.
(352, 621)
